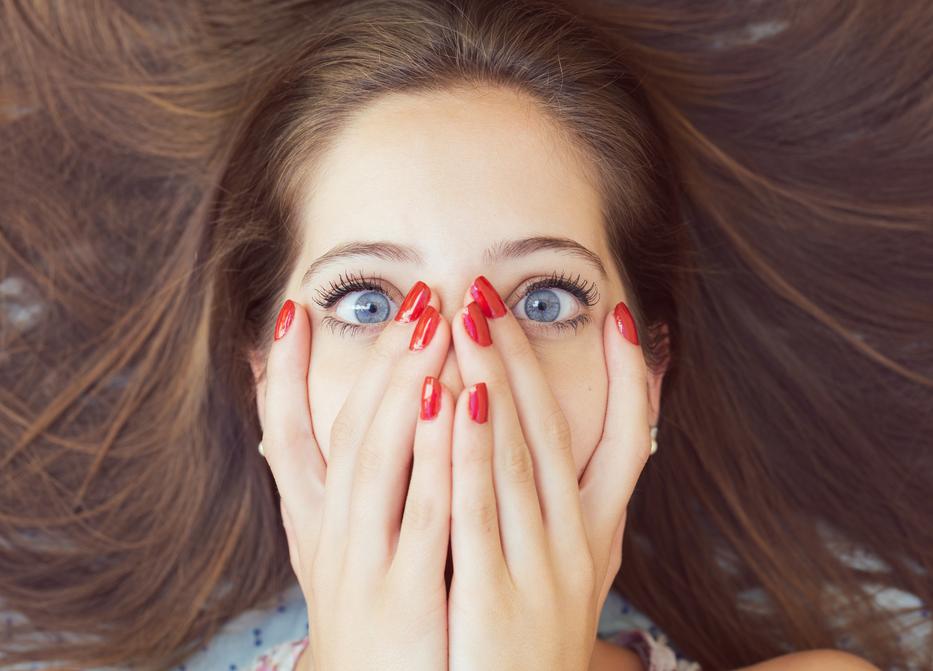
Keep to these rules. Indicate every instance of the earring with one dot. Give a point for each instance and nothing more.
(260, 449)
(654, 439)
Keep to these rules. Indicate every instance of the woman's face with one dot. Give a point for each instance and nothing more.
(450, 186)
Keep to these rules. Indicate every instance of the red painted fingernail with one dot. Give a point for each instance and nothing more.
(626, 323)
(430, 397)
(479, 402)
(284, 320)
(476, 325)
(424, 329)
(487, 298)
(414, 303)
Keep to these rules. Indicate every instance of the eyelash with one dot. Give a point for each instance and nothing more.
(586, 293)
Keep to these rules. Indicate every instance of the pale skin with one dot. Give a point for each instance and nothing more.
(448, 176)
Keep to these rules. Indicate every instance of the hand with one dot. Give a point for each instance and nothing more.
(534, 552)
(373, 580)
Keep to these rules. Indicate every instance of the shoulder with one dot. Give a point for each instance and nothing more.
(814, 660)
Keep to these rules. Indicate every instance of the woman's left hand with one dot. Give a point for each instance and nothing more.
(534, 552)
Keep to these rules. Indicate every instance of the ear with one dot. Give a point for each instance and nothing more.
(258, 365)
(656, 378)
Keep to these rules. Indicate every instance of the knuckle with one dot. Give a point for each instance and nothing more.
(370, 463)
(516, 459)
(557, 428)
(420, 514)
(475, 454)
(483, 514)
(341, 433)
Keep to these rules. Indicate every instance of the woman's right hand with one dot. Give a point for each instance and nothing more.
(373, 581)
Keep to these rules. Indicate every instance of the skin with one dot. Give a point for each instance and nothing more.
(450, 174)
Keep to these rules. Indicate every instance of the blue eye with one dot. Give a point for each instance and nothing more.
(364, 307)
(545, 305)
(557, 303)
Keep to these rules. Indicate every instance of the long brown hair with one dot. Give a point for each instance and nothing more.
(767, 194)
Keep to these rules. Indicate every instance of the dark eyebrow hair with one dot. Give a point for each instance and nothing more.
(506, 249)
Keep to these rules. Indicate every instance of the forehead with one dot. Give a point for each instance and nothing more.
(451, 170)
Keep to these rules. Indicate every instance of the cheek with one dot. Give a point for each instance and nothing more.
(577, 375)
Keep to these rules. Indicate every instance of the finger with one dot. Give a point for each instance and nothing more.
(356, 413)
(475, 542)
(424, 536)
(543, 424)
(381, 476)
(616, 464)
(522, 529)
(289, 444)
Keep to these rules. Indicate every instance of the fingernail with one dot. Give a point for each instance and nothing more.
(487, 298)
(430, 397)
(424, 329)
(284, 320)
(476, 325)
(414, 303)
(625, 322)
(479, 402)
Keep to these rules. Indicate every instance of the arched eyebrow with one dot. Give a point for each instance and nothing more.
(499, 251)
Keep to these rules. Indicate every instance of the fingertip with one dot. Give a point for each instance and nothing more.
(623, 350)
(620, 331)
(437, 401)
(292, 318)
(625, 322)
(417, 299)
(431, 396)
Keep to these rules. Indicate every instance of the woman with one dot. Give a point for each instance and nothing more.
(225, 224)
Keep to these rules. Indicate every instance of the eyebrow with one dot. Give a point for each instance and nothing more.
(505, 249)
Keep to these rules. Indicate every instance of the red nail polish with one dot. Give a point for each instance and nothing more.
(474, 321)
(284, 320)
(487, 298)
(479, 402)
(626, 323)
(424, 329)
(414, 303)
(430, 397)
